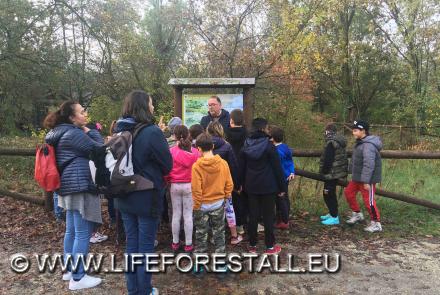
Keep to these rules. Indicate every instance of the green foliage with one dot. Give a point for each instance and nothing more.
(104, 110)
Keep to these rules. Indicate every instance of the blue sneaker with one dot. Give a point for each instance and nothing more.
(325, 217)
(331, 221)
(199, 272)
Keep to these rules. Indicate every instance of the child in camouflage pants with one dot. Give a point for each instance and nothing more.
(211, 185)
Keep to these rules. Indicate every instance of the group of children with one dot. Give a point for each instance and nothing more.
(228, 173)
(245, 176)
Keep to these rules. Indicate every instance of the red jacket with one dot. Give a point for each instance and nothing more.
(182, 164)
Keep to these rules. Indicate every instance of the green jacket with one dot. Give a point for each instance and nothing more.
(334, 163)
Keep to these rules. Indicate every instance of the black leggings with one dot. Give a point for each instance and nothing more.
(261, 205)
(330, 198)
(239, 201)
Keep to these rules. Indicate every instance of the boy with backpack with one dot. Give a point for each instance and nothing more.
(283, 202)
(211, 185)
(366, 169)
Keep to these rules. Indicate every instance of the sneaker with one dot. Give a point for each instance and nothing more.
(282, 225)
(199, 273)
(355, 217)
(374, 227)
(274, 250)
(154, 291)
(260, 228)
(324, 217)
(252, 249)
(222, 273)
(175, 246)
(331, 221)
(189, 248)
(236, 240)
(85, 282)
(67, 276)
(240, 230)
(98, 238)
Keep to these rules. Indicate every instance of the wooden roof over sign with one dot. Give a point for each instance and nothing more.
(212, 82)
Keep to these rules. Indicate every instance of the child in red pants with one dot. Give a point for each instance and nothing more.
(366, 169)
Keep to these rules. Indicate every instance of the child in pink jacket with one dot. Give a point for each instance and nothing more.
(184, 156)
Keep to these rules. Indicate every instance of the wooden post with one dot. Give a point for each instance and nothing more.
(48, 201)
(248, 106)
(178, 107)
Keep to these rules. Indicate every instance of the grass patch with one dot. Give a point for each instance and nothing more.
(17, 173)
(414, 177)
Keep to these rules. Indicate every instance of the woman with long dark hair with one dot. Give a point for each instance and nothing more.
(141, 210)
(73, 142)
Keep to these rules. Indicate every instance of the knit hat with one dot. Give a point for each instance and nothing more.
(174, 121)
(361, 125)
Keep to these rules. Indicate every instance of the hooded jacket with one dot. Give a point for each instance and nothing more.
(334, 163)
(224, 119)
(211, 181)
(286, 159)
(260, 165)
(366, 162)
(72, 149)
(152, 160)
(236, 137)
(225, 151)
(182, 164)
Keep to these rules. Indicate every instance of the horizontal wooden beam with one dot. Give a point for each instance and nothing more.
(212, 82)
(386, 154)
(23, 197)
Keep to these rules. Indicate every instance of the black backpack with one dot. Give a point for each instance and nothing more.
(115, 176)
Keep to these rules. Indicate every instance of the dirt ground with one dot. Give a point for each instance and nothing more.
(370, 264)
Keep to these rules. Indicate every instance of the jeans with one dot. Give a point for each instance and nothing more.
(141, 233)
(57, 210)
(76, 240)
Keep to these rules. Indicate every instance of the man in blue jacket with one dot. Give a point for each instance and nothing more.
(216, 113)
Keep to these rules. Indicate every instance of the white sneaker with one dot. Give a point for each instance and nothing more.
(86, 282)
(373, 227)
(240, 230)
(98, 238)
(154, 291)
(355, 217)
(67, 276)
(260, 228)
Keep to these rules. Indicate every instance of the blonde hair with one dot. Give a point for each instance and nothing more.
(216, 129)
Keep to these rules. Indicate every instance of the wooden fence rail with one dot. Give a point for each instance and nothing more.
(302, 153)
(387, 154)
